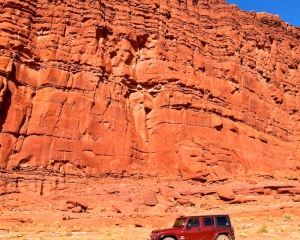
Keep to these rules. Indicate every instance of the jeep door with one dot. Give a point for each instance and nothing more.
(193, 230)
(208, 228)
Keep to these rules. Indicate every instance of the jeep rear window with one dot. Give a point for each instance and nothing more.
(223, 221)
(209, 221)
(179, 222)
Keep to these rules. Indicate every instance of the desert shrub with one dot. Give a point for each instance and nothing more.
(288, 216)
(282, 230)
(69, 233)
(270, 218)
(263, 229)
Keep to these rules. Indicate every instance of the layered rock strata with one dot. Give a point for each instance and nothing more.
(196, 89)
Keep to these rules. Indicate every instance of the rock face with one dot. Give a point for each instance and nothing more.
(197, 89)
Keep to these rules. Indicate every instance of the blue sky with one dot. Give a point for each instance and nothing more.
(288, 10)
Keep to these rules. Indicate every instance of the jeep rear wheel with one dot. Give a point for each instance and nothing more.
(222, 237)
(168, 238)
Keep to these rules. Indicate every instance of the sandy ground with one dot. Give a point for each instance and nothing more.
(40, 218)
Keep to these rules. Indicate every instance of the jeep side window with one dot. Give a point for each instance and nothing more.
(194, 222)
(208, 221)
(222, 221)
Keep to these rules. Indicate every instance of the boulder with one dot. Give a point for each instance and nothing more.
(150, 198)
(125, 208)
(72, 202)
(83, 205)
(77, 209)
(226, 193)
(66, 217)
(243, 199)
(183, 201)
(63, 207)
(170, 194)
(70, 205)
(277, 196)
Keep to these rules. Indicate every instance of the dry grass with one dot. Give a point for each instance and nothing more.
(39, 232)
(267, 227)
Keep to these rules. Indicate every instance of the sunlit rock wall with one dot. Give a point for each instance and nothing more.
(197, 89)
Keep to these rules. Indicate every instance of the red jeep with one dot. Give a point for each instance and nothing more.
(210, 227)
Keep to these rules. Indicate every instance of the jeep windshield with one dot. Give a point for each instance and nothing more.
(180, 222)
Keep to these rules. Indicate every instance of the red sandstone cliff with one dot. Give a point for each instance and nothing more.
(196, 89)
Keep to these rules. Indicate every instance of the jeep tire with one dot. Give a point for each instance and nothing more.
(168, 238)
(222, 237)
